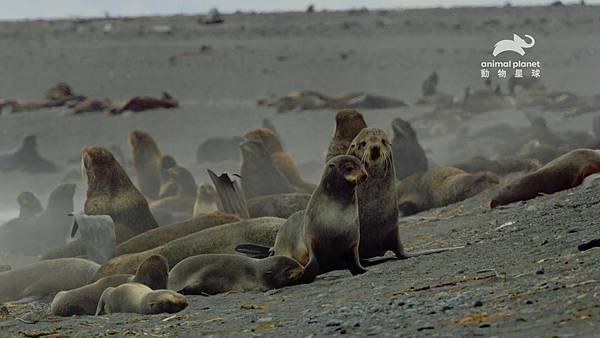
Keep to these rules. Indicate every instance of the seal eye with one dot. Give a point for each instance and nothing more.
(363, 143)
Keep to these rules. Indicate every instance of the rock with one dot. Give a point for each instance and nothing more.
(540, 271)
(478, 303)
(333, 322)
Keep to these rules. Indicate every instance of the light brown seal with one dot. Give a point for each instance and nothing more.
(139, 298)
(141, 103)
(147, 161)
(153, 272)
(348, 123)
(40, 279)
(564, 172)
(282, 159)
(218, 273)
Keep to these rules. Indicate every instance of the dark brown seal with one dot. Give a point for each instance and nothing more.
(141, 103)
(409, 156)
(348, 123)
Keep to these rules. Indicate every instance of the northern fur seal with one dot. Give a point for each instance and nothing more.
(182, 204)
(348, 123)
(218, 239)
(166, 233)
(206, 200)
(218, 149)
(29, 205)
(139, 298)
(40, 279)
(168, 186)
(26, 158)
(564, 172)
(377, 205)
(279, 205)
(147, 162)
(260, 175)
(218, 273)
(439, 187)
(501, 166)
(91, 106)
(153, 272)
(282, 159)
(141, 103)
(331, 225)
(409, 156)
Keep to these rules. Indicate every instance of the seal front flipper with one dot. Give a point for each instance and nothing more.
(254, 250)
(311, 270)
(354, 262)
(231, 196)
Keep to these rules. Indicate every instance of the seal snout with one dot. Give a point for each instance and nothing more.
(375, 152)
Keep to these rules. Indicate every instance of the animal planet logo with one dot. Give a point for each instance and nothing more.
(517, 45)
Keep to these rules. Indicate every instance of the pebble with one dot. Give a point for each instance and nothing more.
(540, 271)
(333, 322)
(426, 327)
(528, 302)
(478, 303)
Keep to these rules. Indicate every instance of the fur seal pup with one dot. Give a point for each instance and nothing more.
(147, 161)
(40, 279)
(217, 239)
(282, 159)
(141, 103)
(331, 224)
(218, 273)
(153, 272)
(26, 158)
(206, 200)
(139, 298)
(409, 156)
(564, 172)
(260, 175)
(166, 233)
(279, 205)
(377, 200)
(439, 187)
(348, 123)
(219, 149)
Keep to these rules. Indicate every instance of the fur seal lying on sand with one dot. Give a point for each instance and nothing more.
(260, 175)
(147, 161)
(300, 100)
(213, 274)
(217, 239)
(141, 103)
(153, 272)
(168, 186)
(564, 172)
(218, 149)
(331, 225)
(40, 279)
(364, 101)
(348, 123)
(279, 205)
(139, 298)
(206, 200)
(91, 106)
(439, 187)
(409, 156)
(282, 159)
(166, 233)
(502, 166)
(26, 158)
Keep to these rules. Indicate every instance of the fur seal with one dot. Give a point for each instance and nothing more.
(260, 175)
(153, 272)
(502, 166)
(218, 149)
(40, 279)
(168, 185)
(141, 103)
(348, 123)
(564, 172)
(91, 106)
(409, 156)
(206, 200)
(182, 204)
(218, 273)
(166, 233)
(29, 205)
(217, 239)
(282, 159)
(26, 158)
(331, 225)
(279, 205)
(147, 161)
(364, 101)
(139, 298)
(299, 100)
(377, 199)
(439, 187)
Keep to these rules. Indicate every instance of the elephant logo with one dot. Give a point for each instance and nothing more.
(515, 45)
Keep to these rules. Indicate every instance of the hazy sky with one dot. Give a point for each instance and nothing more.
(24, 9)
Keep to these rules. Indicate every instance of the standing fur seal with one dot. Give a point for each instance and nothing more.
(409, 156)
(282, 159)
(218, 273)
(147, 161)
(439, 187)
(40, 279)
(29, 205)
(153, 272)
(26, 158)
(141, 103)
(139, 298)
(260, 175)
(564, 172)
(348, 123)
(331, 225)
(377, 205)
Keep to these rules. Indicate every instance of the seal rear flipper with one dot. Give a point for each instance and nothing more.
(254, 250)
(231, 196)
(102, 301)
(354, 262)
